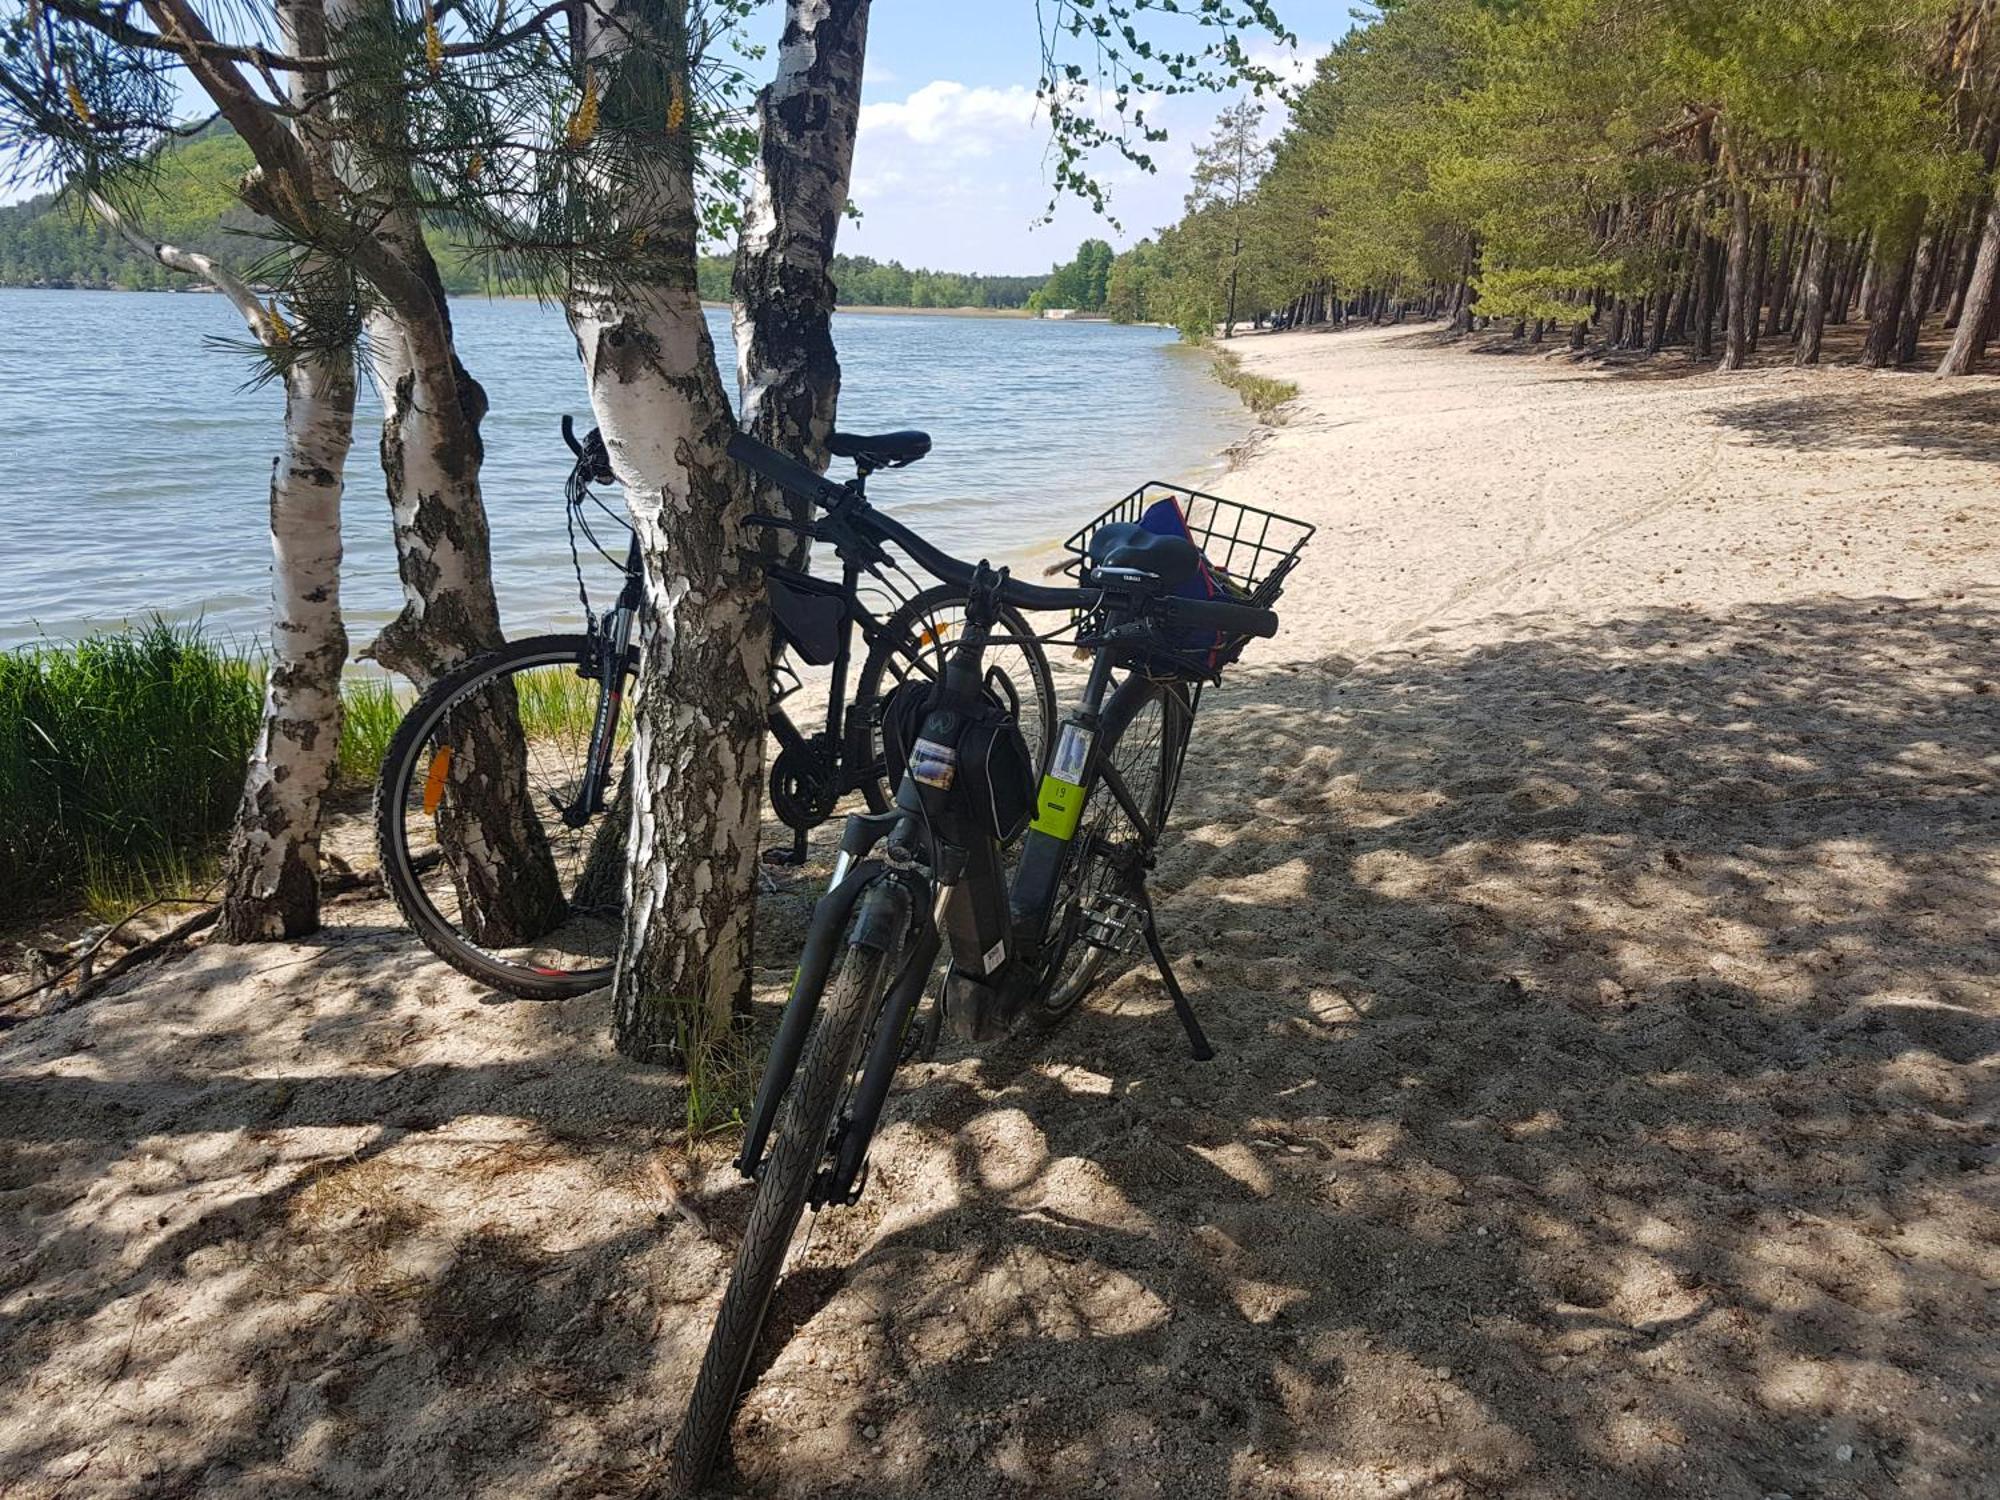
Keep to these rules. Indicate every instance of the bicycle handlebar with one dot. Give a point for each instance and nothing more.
(791, 475)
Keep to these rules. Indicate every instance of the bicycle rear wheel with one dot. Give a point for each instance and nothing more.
(1097, 913)
(540, 698)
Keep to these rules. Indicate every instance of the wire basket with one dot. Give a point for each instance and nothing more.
(1249, 550)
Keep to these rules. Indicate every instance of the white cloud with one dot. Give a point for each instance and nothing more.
(949, 114)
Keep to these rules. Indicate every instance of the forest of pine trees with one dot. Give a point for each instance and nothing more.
(1708, 175)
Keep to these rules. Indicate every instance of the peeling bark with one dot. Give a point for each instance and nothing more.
(697, 722)
(272, 875)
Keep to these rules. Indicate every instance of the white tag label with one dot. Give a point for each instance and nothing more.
(1072, 755)
(995, 956)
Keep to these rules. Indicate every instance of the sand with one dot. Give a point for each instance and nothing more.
(1592, 897)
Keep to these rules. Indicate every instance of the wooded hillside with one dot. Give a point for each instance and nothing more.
(52, 240)
(1635, 173)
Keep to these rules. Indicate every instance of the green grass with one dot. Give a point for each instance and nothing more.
(1260, 393)
(122, 758)
(372, 710)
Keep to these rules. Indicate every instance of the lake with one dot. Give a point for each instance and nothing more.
(134, 465)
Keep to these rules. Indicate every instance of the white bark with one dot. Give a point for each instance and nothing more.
(788, 377)
(272, 875)
(698, 730)
(432, 407)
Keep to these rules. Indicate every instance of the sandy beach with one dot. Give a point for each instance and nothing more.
(1593, 895)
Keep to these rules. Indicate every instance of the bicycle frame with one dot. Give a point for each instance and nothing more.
(942, 870)
(614, 632)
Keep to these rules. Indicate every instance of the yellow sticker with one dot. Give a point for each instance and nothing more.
(1058, 808)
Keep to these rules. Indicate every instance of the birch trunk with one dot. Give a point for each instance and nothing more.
(272, 876)
(697, 727)
(787, 373)
(490, 832)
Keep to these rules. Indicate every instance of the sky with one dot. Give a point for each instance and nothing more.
(952, 169)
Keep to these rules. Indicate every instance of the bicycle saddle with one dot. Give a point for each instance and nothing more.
(884, 450)
(1127, 544)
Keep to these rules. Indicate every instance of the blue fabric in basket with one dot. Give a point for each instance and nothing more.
(1166, 518)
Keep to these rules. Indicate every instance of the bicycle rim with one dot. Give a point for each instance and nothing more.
(471, 819)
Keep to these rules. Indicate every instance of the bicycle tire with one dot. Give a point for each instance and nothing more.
(393, 841)
(1149, 766)
(798, 1148)
(902, 635)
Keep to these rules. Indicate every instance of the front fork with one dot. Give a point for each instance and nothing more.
(614, 638)
(888, 889)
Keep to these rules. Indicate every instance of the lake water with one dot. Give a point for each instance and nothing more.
(134, 466)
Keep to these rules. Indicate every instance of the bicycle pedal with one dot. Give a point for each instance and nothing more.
(1114, 922)
(783, 858)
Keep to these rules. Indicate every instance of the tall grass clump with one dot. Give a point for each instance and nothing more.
(121, 761)
(371, 710)
(1260, 393)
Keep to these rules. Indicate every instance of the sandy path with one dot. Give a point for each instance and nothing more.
(1592, 896)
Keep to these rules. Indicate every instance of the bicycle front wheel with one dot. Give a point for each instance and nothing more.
(916, 641)
(800, 1147)
(484, 844)
(1097, 911)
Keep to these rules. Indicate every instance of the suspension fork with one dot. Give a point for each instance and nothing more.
(848, 1175)
(855, 875)
(614, 641)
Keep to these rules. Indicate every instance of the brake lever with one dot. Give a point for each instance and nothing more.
(783, 523)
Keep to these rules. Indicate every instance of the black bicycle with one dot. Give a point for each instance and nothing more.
(1171, 585)
(502, 807)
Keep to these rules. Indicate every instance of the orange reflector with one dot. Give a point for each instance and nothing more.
(434, 779)
(935, 633)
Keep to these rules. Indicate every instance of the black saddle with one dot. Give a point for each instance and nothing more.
(1127, 544)
(885, 450)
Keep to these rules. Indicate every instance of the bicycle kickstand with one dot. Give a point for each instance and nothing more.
(796, 855)
(1197, 1041)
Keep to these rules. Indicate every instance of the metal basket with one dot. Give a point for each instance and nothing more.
(1248, 550)
(1251, 549)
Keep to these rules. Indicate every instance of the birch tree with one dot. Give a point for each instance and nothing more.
(271, 887)
(318, 103)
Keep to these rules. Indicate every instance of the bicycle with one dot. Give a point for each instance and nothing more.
(1170, 586)
(541, 919)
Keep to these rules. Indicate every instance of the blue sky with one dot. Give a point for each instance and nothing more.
(950, 169)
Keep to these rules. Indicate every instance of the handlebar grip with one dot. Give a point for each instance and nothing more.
(569, 436)
(1220, 614)
(786, 473)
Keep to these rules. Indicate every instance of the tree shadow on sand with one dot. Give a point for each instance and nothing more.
(1604, 1107)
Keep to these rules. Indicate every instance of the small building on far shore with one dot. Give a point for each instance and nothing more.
(1059, 312)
